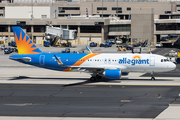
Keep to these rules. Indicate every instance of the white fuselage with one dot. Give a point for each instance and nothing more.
(131, 62)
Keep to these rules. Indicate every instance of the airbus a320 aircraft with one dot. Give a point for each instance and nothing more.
(108, 65)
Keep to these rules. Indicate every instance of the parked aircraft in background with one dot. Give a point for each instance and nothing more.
(108, 65)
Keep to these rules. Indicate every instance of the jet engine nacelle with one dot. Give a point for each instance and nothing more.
(112, 74)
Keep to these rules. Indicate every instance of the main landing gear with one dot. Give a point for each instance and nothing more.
(95, 77)
(152, 76)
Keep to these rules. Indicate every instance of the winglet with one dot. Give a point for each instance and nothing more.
(59, 61)
(89, 51)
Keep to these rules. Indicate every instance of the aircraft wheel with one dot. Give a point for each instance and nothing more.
(98, 76)
(153, 78)
(93, 79)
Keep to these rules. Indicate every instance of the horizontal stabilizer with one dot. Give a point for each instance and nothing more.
(26, 59)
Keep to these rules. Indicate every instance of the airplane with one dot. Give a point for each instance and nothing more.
(108, 65)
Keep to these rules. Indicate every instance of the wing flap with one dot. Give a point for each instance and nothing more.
(100, 67)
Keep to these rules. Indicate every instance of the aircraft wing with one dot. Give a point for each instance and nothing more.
(96, 69)
(101, 67)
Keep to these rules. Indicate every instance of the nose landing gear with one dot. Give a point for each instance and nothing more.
(152, 76)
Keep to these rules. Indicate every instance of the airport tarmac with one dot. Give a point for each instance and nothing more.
(28, 92)
(41, 93)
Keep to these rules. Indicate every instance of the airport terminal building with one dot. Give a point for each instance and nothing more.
(94, 20)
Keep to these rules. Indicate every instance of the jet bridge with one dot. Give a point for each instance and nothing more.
(55, 33)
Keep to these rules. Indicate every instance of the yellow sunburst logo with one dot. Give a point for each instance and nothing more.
(136, 57)
(23, 46)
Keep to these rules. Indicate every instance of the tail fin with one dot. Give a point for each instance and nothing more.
(24, 43)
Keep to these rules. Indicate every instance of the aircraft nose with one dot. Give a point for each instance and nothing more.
(172, 66)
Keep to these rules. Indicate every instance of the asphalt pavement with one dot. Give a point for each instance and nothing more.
(85, 101)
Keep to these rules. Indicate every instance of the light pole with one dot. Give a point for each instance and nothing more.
(102, 9)
(32, 9)
(117, 9)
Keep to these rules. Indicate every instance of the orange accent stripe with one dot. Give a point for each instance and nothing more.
(68, 69)
(78, 63)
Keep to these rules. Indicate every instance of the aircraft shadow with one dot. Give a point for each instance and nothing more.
(73, 84)
(100, 80)
(25, 77)
(157, 79)
(85, 80)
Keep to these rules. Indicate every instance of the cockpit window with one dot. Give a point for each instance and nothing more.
(165, 60)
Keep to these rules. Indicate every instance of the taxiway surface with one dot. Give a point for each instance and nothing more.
(86, 100)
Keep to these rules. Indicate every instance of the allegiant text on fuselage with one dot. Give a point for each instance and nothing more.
(133, 61)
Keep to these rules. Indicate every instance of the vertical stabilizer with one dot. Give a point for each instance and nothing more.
(24, 44)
